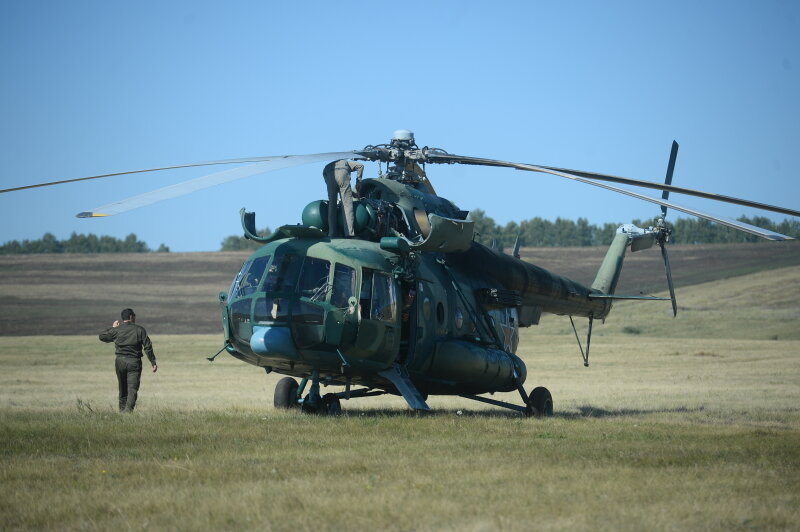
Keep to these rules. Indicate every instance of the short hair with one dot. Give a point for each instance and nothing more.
(127, 313)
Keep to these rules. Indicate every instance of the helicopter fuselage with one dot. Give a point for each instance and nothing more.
(336, 306)
(352, 308)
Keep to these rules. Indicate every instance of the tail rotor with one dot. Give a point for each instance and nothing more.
(662, 232)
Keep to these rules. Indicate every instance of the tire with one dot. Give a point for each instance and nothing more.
(286, 393)
(541, 401)
(331, 405)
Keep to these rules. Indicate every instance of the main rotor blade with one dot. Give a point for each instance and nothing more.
(741, 226)
(266, 164)
(459, 159)
(669, 279)
(177, 166)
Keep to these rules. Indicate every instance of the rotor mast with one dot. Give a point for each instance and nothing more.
(405, 160)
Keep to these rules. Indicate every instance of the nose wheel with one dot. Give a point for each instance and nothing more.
(286, 394)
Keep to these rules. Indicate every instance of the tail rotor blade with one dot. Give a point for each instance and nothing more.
(673, 155)
(669, 280)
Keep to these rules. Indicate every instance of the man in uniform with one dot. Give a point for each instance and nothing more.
(337, 178)
(130, 339)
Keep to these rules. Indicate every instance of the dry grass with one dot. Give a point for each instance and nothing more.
(232, 471)
(692, 423)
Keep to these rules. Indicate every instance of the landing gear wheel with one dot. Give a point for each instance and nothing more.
(541, 402)
(286, 393)
(331, 405)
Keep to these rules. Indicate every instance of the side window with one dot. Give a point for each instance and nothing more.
(384, 298)
(344, 284)
(314, 278)
(282, 273)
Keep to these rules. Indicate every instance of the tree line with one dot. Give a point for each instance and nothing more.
(535, 232)
(240, 243)
(562, 232)
(80, 243)
(538, 232)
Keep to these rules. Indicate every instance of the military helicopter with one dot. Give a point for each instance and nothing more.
(413, 305)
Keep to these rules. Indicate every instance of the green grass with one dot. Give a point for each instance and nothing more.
(694, 423)
(389, 470)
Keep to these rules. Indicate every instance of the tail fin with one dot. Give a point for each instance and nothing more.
(608, 274)
(610, 269)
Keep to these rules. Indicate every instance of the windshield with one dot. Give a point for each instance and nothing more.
(282, 274)
(246, 282)
(294, 273)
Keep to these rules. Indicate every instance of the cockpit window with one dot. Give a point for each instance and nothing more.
(282, 273)
(314, 278)
(248, 278)
(384, 299)
(378, 299)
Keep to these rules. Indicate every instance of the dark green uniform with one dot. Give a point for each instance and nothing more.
(130, 340)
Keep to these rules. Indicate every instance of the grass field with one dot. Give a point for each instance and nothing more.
(690, 423)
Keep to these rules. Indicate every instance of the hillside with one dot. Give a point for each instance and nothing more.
(177, 292)
(691, 264)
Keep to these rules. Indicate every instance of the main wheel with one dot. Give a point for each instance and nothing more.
(541, 401)
(286, 393)
(331, 405)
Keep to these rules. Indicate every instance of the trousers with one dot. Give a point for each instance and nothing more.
(339, 183)
(129, 375)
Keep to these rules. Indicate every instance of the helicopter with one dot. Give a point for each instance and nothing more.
(412, 305)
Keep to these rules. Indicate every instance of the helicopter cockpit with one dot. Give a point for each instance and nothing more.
(286, 305)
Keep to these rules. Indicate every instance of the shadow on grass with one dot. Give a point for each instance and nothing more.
(586, 411)
(449, 412)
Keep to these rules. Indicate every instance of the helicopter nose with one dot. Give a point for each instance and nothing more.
(273, 341)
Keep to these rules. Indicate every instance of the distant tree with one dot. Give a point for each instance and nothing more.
(538, 232)
(77, 243)
(602, 236)
(240, 243)
(487, 231)
(163, 248)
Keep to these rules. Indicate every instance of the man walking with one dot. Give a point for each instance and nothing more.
(337, 178)
(130, 339)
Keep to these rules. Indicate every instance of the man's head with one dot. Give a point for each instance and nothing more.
(128, 315)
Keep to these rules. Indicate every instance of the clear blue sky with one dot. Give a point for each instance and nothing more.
(103, 86)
